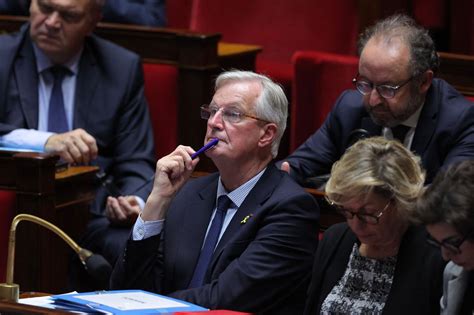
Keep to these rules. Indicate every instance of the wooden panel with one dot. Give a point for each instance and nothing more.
(458, 70)
(42, 259)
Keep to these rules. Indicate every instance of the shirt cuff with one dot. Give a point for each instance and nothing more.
(143, 230)
(140, 201)
(26, 139)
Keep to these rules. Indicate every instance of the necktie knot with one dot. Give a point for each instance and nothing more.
(399, 132)
(59, 72)
(223, 203)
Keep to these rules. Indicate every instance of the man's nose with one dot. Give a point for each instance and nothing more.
(53, 20)
(374, 98)
(216, 121)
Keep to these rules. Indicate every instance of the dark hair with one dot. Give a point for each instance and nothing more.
(422, 47)
(450, 199)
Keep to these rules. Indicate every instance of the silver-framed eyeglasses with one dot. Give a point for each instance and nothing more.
(386, 91)
(230, 115)
(451, 244)
(361, 215)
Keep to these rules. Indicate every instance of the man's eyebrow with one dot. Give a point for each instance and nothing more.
(389, 83)
(233, 104)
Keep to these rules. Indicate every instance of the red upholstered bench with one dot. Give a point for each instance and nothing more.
(319, 79)
(161, 89)
(178, 13)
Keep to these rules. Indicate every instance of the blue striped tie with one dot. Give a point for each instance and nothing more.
(57, 121)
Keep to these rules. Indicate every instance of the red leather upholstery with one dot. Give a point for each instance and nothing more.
(462, 26)
(178, 13)
(281, 28)
(431, 14)
(319, 79)
(161, 89)
(7, 204)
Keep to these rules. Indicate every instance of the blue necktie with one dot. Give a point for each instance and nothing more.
(210, 243)
(57, 121)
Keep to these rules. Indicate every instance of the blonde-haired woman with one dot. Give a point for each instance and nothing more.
(376, 262)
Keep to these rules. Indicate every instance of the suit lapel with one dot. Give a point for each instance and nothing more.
(426, 124)
(192, 231)
(86, 85)
(251, 205)
(26, 78)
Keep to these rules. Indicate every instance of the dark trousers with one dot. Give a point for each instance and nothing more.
(100, 238)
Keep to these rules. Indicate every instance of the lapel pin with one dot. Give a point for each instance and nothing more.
(247, 217)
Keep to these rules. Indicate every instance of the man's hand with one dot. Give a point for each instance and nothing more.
(122, 211)
(172, 172)
(285, 166)
(76, 146)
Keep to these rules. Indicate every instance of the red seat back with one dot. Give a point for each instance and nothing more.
(462, 26)
(161, 89)
(7, 212)
(319, 79)
(178, 13)
(281, 27)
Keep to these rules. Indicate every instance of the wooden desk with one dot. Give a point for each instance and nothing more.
(237, 56)
(42, 258)
(458, 70)
(11, 308)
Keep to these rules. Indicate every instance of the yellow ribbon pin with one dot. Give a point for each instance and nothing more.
(244, 220)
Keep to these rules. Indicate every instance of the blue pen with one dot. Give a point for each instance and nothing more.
(206, 147)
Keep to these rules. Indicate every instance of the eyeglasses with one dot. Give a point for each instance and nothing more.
(361, 215)
(386, 91)
(232, 116)
(451, 244)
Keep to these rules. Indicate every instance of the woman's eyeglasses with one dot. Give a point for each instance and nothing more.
(361, 215)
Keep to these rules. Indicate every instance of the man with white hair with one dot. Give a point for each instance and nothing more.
(241, 239)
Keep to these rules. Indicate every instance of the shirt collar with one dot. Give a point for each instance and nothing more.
(412, 121)
(43, 62)
(238, 195)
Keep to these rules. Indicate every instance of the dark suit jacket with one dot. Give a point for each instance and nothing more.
(109, 104)
(261, 266)
(143, 12)
(444, 134)
(417, 282)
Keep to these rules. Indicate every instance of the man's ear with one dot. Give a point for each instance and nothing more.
(268, 134)
(427, 79)
(96, 17)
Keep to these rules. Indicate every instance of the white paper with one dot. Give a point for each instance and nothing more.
(44, 301)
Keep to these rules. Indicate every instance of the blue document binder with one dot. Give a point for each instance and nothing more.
(124, 302)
